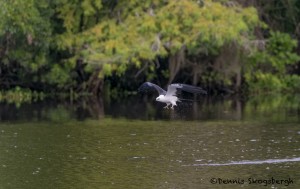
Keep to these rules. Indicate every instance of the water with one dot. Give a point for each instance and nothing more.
(95, 143)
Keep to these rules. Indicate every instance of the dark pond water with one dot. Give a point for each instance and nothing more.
(135, 143)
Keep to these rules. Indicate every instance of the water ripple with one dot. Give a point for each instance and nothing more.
(247, 162)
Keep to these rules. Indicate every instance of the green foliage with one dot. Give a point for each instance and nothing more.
(59, 75)
(281, 15)
(72, 45)
(25, 32)
(140, 31)
(267, 70)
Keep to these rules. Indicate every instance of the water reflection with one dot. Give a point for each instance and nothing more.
(269, 108)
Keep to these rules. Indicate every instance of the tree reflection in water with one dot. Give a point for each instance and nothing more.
(274, 108)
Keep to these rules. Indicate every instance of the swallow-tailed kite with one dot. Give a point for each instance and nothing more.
(169, 97)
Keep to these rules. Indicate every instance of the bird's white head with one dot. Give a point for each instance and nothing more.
(159, 98)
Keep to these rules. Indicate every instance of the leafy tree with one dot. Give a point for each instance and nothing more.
(76, 44)
(137, 32)
(25, 32)
(268, 70)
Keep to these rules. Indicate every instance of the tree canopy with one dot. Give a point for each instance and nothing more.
(136, 32)
(78, 44)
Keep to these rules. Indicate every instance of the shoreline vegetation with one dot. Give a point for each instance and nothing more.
(79, 48)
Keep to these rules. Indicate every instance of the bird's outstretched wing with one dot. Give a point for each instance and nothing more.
(172, 89)
(147, 86)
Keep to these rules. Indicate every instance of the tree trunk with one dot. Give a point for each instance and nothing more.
(176, 62)
(95, 84)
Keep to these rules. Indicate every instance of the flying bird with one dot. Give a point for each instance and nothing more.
(169, 97)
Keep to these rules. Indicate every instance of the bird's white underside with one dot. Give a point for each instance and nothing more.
(168, 99)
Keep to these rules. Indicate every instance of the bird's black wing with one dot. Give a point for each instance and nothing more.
(189, 88)
(147, 86)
